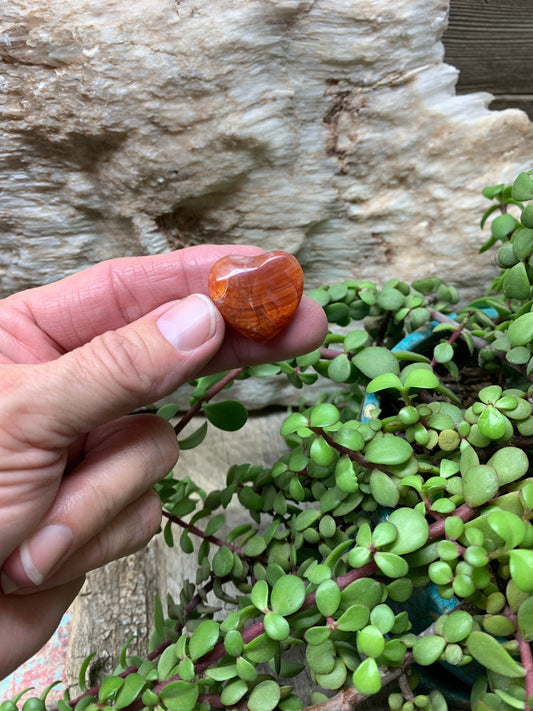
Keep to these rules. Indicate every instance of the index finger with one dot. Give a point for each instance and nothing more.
(116, 292)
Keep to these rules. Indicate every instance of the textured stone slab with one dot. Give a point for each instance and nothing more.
(328, 128)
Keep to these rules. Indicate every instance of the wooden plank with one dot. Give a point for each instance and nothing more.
(490, 42)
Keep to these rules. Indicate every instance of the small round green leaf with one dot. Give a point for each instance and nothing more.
(388, 450)
(520, 330)
(443, 352)
(366, 678)
(130, 690)
(384, 381)
(421, 378)
(525, 619)
(457, 626)
(293, 423)
(335, 678)
(328, 597)
(340, 368)
(516, 282)
(222, 562)
(203, 639)
(391, 565)
(413, 530)
(287, 595)
(354, 618)
(375, 360)
(321, 452)
(521, 568)
(179, 695)
(384, 490)
(324, 415)
(480, 484)
(229, 415)
(427, 650)
(233, 692)
(265, 696)
(510, 463)
(492, 423)
(259, 595)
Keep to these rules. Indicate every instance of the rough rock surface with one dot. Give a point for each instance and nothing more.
(329, 128)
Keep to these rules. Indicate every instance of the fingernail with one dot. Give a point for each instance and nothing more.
(189, 323)
(37, 557)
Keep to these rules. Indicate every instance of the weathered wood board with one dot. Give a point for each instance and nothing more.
(490, 42)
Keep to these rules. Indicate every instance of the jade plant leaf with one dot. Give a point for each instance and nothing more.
(492, 423)
(413, 531)
(324, 415)
(375, 360)
(370, 641)
(428, 649)
(510, 464)
(393, 566)
(265, 696)
(259, 595)
(521, 568)
(130, 690)
(287, 595)
(366, 678)
(179, 695)
(354, 618)
(203, 639)
(388, 449)
(525, 619)
(328, 597)
(260, 649)
(383, 382)
(457, 626)
(233, 692)
(516, 282)
(522, 187)
(384, 490)
(520, 330)
(335, 678)
(421, 378)
(509, 527)
(229, 415)
(488, 651)
(480, 484)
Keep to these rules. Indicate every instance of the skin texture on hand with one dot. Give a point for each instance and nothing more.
(76, 474)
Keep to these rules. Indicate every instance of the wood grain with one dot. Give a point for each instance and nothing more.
(490, 42)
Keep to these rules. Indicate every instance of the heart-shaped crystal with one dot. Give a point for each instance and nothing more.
(257, 295)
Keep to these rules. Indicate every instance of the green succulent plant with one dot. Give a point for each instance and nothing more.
(391, 544)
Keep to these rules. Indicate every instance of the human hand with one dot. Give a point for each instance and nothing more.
(76, 475)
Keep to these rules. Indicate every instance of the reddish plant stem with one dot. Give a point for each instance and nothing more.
(191, 605)
(456, 333)
(329, 353)
(201, 534)
(525, 656)
(436, 530)
(217, 387)
(527, 663)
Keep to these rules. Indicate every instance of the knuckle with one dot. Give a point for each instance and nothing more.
(125, 360)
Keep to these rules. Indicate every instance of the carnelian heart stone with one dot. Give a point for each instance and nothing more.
(257, 295)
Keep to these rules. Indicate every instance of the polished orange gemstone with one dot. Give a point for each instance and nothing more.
(257, 295)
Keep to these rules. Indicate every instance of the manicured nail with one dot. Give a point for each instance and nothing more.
(189, 323)
(37, 557)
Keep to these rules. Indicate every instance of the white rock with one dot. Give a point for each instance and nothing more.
(329, 128)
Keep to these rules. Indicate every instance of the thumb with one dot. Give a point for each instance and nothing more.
(133, 366)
